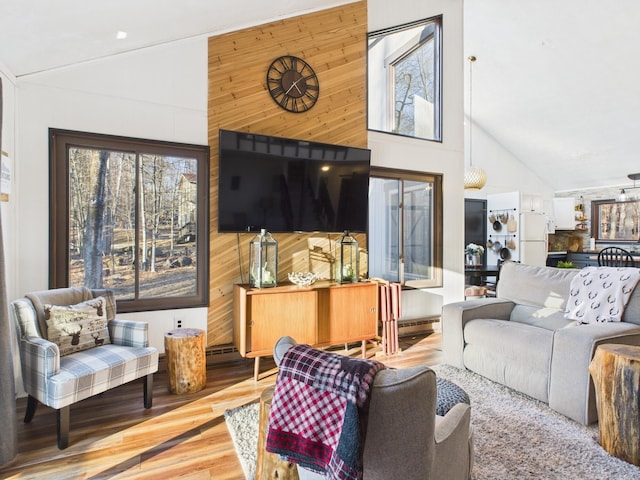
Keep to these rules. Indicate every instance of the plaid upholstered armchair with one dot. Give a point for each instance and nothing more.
(72, 347)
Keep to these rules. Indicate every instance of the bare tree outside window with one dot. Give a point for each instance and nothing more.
(404, 80)
(137, 217)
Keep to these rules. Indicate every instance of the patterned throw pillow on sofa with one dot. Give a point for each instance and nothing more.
(77, 327)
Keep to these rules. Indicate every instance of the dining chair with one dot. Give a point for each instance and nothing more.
(615, 257)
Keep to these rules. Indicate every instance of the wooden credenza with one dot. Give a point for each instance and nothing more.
(324, 314)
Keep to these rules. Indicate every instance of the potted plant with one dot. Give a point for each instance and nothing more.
(473, 253)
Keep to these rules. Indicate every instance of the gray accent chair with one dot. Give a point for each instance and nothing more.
(60, 381)
(521, 338)
(405, 438)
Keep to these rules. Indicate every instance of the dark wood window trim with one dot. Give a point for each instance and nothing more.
(59, 142)
(614, 221)
(436, 180)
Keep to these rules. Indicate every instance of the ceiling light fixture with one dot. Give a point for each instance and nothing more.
(121, 35)
(474, 177)
(622, 196)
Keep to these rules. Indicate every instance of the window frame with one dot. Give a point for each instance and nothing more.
(389, 93)
(438, 228)
(59, 209)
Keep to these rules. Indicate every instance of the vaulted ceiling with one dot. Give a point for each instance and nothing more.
(554, 84)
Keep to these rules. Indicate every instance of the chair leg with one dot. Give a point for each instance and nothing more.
(148, 390)
(63, 427)
(32, 404)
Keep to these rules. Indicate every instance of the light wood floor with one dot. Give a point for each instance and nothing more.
(113, 436)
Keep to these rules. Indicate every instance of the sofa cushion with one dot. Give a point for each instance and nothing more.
(542, 317)
(632, 310)
(94, 371)
(495, 349)
(535, 286)
(77, 327)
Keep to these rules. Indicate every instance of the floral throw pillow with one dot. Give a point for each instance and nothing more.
(77, 327)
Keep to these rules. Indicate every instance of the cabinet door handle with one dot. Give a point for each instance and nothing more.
(372, 309)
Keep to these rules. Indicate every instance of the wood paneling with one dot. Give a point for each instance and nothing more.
(333, 42)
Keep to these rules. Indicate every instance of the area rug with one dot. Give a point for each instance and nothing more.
(515, 436)
(242, 423)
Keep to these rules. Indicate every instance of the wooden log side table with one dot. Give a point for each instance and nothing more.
(186, 360)
(615, 370)
(269, 465)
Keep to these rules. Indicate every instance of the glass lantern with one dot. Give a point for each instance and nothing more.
(263, 260)
(347, 259)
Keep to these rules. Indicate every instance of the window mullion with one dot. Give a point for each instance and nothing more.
(401, 233)
(136, 241)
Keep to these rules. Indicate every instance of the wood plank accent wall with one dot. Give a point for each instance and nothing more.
(334, 43)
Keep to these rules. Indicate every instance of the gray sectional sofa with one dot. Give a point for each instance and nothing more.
(522, 339)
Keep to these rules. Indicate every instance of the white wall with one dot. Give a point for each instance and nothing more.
(505, 172)
(155, 93)
(447, 157)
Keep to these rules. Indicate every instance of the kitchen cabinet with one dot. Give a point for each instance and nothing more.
(582, 259)
(531, 203)
(323, 314)
(564, 213)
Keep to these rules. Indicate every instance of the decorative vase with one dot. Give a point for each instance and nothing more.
(263, 260)
(474, 259)
(347, 259)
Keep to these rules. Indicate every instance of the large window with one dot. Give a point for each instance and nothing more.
(404, 80)
(405, 227)
(130, 215)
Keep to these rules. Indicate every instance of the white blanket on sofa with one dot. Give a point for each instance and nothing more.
(600, 294)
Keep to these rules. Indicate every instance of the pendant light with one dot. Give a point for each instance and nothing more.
(474, 177)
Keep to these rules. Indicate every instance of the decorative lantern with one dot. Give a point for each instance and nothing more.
(347, 259)
(263, 260)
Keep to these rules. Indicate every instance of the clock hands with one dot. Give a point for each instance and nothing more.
(295, 84)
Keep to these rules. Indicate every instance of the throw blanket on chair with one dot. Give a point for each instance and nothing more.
(319, 411)
(600, 294)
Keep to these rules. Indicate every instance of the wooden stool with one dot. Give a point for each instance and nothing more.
(615, 370)
(186, 360)
(269, 465)
(475, 291)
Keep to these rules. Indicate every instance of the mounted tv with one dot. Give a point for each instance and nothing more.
(287, 185)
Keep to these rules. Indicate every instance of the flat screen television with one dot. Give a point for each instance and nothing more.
(288, 185)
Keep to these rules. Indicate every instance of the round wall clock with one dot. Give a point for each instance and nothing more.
(293, 84)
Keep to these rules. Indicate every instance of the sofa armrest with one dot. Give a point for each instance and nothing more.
(129, 333)
(40, 359)
(453, 456)
(456, 315)
(571, 391)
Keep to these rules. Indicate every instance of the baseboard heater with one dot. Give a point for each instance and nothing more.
(222, 354)
(418, 325)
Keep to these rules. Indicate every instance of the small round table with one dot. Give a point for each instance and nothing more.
(615, 370)
(270, 465)
(449, 394)
(186, 360)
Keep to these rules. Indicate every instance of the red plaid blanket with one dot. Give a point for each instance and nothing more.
(319, 411)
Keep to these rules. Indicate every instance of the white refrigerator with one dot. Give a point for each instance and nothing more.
(533, 238)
